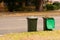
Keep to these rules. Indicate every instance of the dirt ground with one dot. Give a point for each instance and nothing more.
(48, 13)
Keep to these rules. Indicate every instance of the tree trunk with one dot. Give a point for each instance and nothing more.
(39, 5)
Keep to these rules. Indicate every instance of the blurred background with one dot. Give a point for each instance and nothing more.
(29, 5)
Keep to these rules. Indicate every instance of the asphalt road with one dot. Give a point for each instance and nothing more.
(19, 24)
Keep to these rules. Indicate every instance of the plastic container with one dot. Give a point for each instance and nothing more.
(49, 23)
(32, 23)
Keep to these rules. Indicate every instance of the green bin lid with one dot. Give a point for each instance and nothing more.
(50, 22)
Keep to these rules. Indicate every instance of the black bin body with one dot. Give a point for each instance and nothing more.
(32, 24)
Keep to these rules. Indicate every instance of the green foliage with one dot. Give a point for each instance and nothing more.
(57, 5)
(50, 7)
(54, 6)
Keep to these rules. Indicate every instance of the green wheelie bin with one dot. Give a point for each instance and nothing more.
(49, 24)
